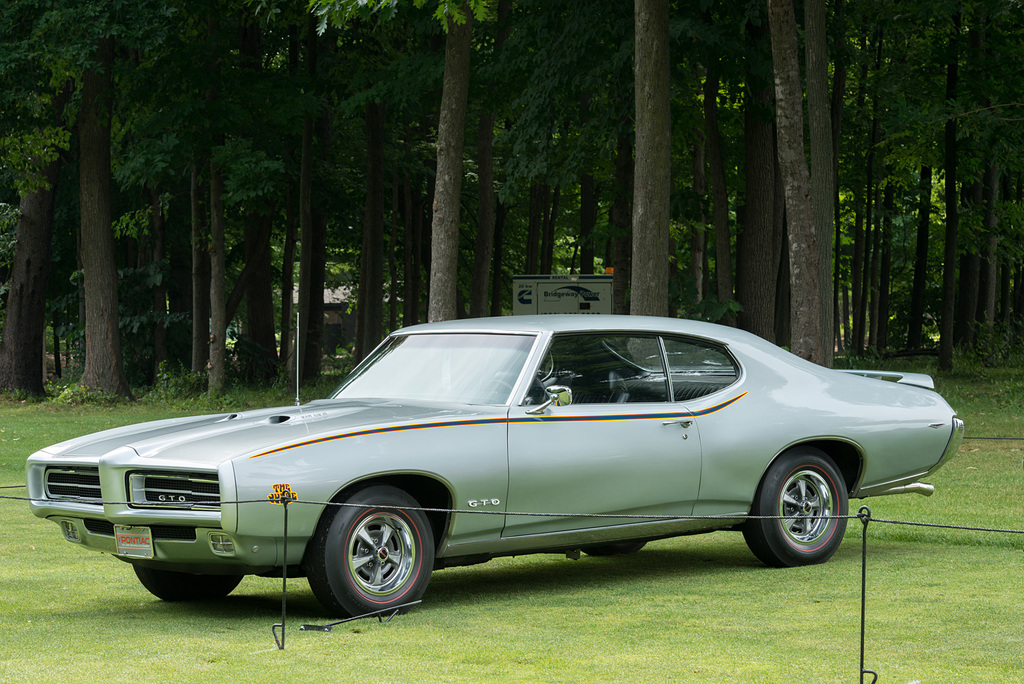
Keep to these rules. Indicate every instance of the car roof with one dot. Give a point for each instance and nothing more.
(559, 323)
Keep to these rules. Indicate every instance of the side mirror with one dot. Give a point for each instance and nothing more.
(559, 395)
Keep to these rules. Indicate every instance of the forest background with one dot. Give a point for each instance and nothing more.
(180, 181)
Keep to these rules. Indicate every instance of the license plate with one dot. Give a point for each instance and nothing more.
(133, 541)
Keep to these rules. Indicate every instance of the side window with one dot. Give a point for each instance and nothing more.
(698, 368)
(603, 369)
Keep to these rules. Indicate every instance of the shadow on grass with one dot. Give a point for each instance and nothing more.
(668, 568)
(551, 576)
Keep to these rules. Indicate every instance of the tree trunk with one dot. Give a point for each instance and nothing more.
(698, 232)
(917, 296)
(547, 250)
(390, 252)
(841, 321)
(200, 276)
(535, 226)
(286, 353)
(719, 193)
(104, 369)
(21, 349)
(261, 361)
(804, 261)
(759, 243)
(313, 345)
(870, 237)
(370, 304)
(22, 362)
(484, 252)
(946, 322)
(969, 287)
(309, 335)
(991, 246)
(218, 277)
(485, 227)
(620, 219)
(496, 272)
(588, 204)
(588, 222)
(652, 184)
(823, 170)
(410, 260)
(157, 225)
(885, 269)
(444, 259)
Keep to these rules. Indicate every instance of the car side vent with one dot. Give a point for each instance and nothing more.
(173, 489)
(76, 483)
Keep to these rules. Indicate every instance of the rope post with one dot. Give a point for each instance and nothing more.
(865, 517)
(282, 495)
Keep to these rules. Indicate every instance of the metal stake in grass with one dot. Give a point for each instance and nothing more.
(283, 495)
(865, 517)
(379, 614)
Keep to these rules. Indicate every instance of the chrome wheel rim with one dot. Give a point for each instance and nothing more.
(381, 554)
(806, 506)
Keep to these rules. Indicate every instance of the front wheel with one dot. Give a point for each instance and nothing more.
(184, 586)
(371, 553)
(805, 497)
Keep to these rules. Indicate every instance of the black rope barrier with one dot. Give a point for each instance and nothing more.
(284, 496)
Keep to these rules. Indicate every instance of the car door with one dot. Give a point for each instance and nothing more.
(622, 447)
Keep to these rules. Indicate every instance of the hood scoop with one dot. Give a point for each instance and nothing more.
(277, 420)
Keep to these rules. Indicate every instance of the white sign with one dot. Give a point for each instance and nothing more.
(582, 294)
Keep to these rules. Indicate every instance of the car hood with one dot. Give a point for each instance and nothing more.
(207, 441)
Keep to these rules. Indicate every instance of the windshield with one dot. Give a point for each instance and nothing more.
(465, 368)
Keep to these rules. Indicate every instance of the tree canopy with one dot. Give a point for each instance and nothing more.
(184, 180)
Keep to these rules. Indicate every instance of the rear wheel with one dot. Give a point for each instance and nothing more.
(806, 495)
(183, 586)
(370, 554)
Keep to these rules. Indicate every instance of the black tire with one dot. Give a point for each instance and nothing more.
(371, 554)
(614, 548)
(184, 586)
(807, 493)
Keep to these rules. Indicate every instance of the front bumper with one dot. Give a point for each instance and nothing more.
(182, 548)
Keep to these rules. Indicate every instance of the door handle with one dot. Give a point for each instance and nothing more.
(685, 422)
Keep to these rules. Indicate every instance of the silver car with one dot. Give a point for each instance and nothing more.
(459, 441)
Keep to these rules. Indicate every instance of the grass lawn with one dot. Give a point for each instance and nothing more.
(943, 605)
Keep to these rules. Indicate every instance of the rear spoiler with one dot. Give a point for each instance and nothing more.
(915, 379)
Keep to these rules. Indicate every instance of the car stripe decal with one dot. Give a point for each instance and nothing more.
(501, 421)
(382, 430)
(630, 416)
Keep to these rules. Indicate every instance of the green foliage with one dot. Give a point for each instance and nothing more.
(8, 232)
(561, 88)
(341, 12)
(76, 394)
(251, 175)
(25, 155)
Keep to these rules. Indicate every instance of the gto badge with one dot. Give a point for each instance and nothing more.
(476, 503)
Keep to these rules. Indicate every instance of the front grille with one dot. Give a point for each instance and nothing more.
(189, 490)
(159, 532)
(76, 483)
